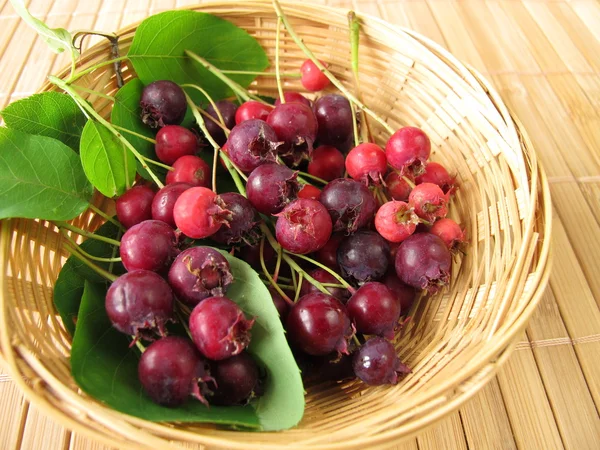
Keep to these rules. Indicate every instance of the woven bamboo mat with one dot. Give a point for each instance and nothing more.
(543, 56)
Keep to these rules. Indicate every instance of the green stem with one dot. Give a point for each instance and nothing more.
(106, 216)
(277, 74)
(324, 69)
(87, 234)
(84, 253)
(294, 280)
(133, 133)
(409, 181)
(91, 91)
(157, 164)
(277, 264)
(354, 126)
(331, 271)
(262, 74)
(99, 270)
(298, 288)
(333, 285)
(354, 27)
(213, 104)
(268, 275)
(63, 85)
(312, 177)
(78, 75)
(215, 121)
(356, 341)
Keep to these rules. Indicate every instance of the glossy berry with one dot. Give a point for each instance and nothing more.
(139, 303)
(366, 163)
(227, 110)
(450, 232)
(310, 192)
(135, 205)
(397, 187)
(173, 141)
(149, 245)
(423, 261)
(241, 225)
(334, 118)
(270, 187)
(198, 273)
(404, 293)
(318, 324)
(171, 369)
(363, 256)
(376, 363)
(219, 328)
(322, 276)
(295, 125)
(236, 379)
(328, 254)
(350, 204)
(374, 309)
(437, 174)
(395, 221)
(294, 97)
(312, 78)
(327, 163)
(283, 308)
(408, 150)
(429, 201)
(303, 226)
(252, 110)
(162, 103)
(164, 202)
(198, 213)
(252, 143)
(190, 169)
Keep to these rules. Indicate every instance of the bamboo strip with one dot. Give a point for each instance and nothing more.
(14, 413)
(591, 192)
(79, 442)
(447, 434)
(40, 431)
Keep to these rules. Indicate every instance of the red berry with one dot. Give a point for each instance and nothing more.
(236, 380)
(310, 192)
(252, 143)
(366, 162)
(198, 214)
(149, 245)
(437, 174)
(135, 205)
(404, 293)
(173, 141)
(429, 201)
(408, 150)
(303, 226)
(293, 97)
(396, 221)
(350, 204)
(189, 169)
(252, 110)
(312, 78)
(327, 163)
(296, 125)
(328, 254)
(397, 186)
(219, 328)
(271, 186)
(450, 232)
(164, 201)
(374, 309)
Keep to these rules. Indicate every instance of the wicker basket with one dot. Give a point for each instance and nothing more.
(456, 340)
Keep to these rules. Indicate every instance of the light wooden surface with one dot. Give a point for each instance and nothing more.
(543, 56)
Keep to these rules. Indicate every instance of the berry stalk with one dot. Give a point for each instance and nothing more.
(87, 234)
(277, 74)
(76, 252)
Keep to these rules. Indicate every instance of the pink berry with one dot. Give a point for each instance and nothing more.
(396, 221)
(219, 328)
(198, 213)
(374, 309)
(397, 186)
(312, 78)
(437, 174)
(408, 150)
(252, 110)
(294, 97)
(429, 201)
(135, 205)
(303, 226)
(174, 141)
(327, 163)
(366, 162)
(450, 232)
(310, 192)
(189, 169)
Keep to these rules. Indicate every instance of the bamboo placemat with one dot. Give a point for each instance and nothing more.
(543, 56)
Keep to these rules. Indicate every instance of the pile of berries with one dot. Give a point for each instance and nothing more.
(356, 248)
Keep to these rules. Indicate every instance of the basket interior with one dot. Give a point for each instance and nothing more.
(453, 338)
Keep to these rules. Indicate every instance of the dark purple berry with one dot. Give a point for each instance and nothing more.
(135, 205)
(272, 186)
(236, 379)
(219, 328)
(374, 310)
(251, 254)
(404, 293)
(252, 143)
(150, 245)
(227, 110)
(295, 124)
(171, 369)
(363, 256)
(350, 204)
(164, 202)
(376, 363)
(163, 103)
(139, 303)
(328, 254)
(198, 273)
(241, 226)
(334, 117)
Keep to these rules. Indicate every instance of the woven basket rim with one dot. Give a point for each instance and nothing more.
(507, 341)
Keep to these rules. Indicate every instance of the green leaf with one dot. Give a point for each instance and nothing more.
(40, 177)
(49, 114)
(157, 51)
(68, 288)
(58, 39)
(105, 367)
(106, 161)
(282, 405)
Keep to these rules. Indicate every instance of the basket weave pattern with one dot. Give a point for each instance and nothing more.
(456, 340)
